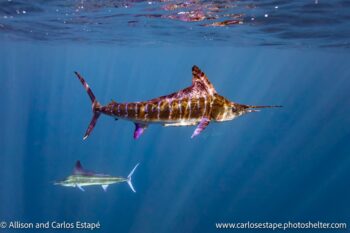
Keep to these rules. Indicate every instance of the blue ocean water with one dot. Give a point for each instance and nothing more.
(277, 165)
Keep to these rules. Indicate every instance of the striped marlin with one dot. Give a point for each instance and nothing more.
(198, 104)
(82, 177)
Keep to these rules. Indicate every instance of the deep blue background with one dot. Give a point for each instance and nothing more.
(289, 164)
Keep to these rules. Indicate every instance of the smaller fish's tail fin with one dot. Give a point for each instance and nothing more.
(95, 106)
(129, 178)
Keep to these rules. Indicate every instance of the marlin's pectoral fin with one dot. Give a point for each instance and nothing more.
(105, 186)
(201, 126)
(139, 129)
(81, 188)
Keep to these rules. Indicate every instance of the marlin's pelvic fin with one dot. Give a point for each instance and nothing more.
(139, 129)
(129, 178)
(95, 106)
(105, 186)
(201, 126)
(81, 188)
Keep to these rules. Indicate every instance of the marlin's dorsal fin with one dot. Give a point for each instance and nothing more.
(201, 81)
(78, 169)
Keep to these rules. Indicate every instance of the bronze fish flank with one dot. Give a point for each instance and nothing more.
(198, 104)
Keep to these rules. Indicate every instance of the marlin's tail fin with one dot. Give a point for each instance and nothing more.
(95, 106)
(129, 178)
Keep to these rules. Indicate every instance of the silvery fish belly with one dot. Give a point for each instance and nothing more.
(198, 104)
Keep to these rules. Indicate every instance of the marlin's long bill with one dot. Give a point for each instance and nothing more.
(198, 104)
